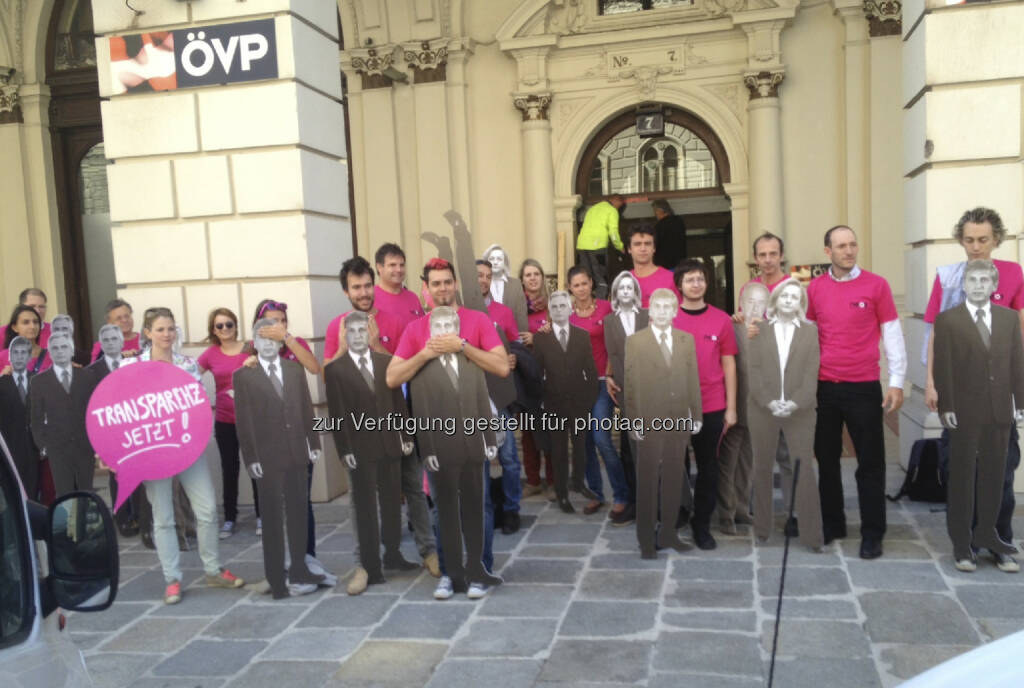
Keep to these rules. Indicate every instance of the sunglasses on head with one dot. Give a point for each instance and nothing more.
(225, 325)
(272, 306)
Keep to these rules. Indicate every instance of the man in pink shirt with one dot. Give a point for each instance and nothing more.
(385, 330)
(641, 249)
(769, 254)
(853, 309)
(391, 295)
(119, 312)
(715, 342)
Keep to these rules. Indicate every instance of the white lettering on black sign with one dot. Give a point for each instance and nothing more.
(227, 53)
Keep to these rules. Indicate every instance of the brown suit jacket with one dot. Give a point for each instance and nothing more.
(765, 380)
(515, 298)
(348, 397)
(974, 382)
(434, 398)
(656, 390)
(273, 431)
(615, 343)
(57, 418)
(742, 374)
(570, 376)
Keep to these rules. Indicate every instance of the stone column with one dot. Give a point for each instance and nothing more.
(223, 195)
(766, 192)
(538, 178)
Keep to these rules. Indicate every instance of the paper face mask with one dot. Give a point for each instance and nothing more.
(111, 341)
(61, 350)
(559, 309)
(357, 335)
(21, 351)
(753, 301)
(663, 310)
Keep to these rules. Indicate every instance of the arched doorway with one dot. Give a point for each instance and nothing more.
(684, 164)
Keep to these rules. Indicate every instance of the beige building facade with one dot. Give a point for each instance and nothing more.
(776, 115)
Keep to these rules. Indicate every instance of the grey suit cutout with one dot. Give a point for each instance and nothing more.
(976, 383)
(515, 298)
(274, 431)
(655, 390)
(58, 427)
(766, 385)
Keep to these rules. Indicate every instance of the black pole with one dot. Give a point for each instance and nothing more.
(782, 575)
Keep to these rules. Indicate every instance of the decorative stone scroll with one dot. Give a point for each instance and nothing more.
(885, 17)
(763, 84)
(534, 106)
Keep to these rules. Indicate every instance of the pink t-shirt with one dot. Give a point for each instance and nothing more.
(129, 345)
(850, 315)
(504, 319)
(659, 279)
(405, 306)
(223, 367)
(713, 338)
(389, 326)
(5, 359)
(475, 327)
(594, 325)
(1010, 293)
(44, 335)
(536, 320)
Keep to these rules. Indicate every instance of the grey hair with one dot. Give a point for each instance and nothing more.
(504, 256)
(562, 294)
(614, 289)
(662, 294)
(356, 317)
(774, 297)
(60, 338)
(109, 326)
(262, 322)
(444, 312)
(980, 265)
(21, 341)
(63, 316)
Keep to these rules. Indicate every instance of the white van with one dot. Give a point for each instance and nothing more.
(61, 558)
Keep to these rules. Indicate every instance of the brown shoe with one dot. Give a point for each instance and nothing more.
(592, 508)
(432, 564)
(358, 582)
(531, 490)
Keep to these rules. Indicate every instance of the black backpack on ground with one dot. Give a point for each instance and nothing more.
(926, 479)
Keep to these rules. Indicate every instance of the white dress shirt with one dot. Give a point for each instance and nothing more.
(498, 288)
(452, 360)
(784, 332)
(557, 329)
(628, 320)
(365, 356)
(657, 336)
(59, 371)
(277, 370)
(986, 314)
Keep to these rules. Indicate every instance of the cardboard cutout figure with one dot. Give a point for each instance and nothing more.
(448, 391)
(58, 399)
(356, 385)
(661, 383)
(14, 416)
(506, 289)
(979, 378)
(570, 390)
(783, 361)
(274, 417)
(62, 325)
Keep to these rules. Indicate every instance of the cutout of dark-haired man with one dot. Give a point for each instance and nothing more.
(14, 416)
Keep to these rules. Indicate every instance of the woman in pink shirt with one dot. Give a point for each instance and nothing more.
(531, 274)
(25, 323)
(225, 355)
(589, 314)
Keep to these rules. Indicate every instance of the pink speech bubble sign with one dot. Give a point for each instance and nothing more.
(148, 421)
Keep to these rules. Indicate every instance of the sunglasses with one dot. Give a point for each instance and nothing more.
(272, 306)
(225, 326)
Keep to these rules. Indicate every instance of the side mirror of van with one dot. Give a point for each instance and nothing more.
(83, 556)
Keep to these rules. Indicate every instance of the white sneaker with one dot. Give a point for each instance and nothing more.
(444, 589)
(317, 569)
(477, 591)
(226, 530)
(259, 527)
(1006, 563)
(966, 565)
(298, 589)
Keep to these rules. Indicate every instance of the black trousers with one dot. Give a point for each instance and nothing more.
(560, 458)
(459, 494)
(705, 451)
(660, 480)
(283, 494)
(381, 477)
(72, 472)
(227, 443)
(597, 263)
(859, 406)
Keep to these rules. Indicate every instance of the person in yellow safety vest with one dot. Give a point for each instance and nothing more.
(600, 224)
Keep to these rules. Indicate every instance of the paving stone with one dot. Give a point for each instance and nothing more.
(717, 653)
(916, 618)
(348, 612)
(507, 543)
(999, 628)
(770, 554)
(907, 661)
(115, 669)
(542, 571)
(375, 665)
(817, 638)
(87, 641)
(277, 674)
(505, 638)
(810, 608)
(493, 673)
(341, 541)
(628, 562)
(620, 540)
(313, 643)
(203, 601)
(156, 635)
(554, 551)
(937, 538)
(247, 621)
(803, 581)
(114, 618)
(712, 570)
(703, 681)
(709, 594)
(210, 658)
(511, 600)
(712, 621)
(178, 683)
(563, 533)
(439, 621)
(815, 672)
(986, 573)
(595, 619)
(149, 587)
(145, 559)
(728, 548)
(894, 549)
(992, 601)
(886, 575)
(622, 585)
(900, 531)
(612, 660)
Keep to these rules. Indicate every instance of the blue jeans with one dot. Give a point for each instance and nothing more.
(601, 440)
(488, 558)
(510, 483)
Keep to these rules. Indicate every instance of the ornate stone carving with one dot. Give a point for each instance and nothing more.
(646, 79)
(885, 17)
(763, 84)
(716, 8)
(372, 63)
(728, 94)
(428, 60)
(534, 106)
(9, 84)
(565, 17)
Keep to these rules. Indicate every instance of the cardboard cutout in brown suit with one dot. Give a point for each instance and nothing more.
(615, 343)
(460, 462)
(800, 387)
(273, 431)
(657, 390)
(378, 455)
(980, 385)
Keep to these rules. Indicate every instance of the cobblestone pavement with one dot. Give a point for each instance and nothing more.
(578, 607)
